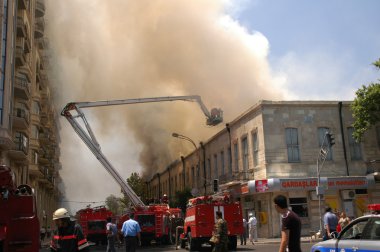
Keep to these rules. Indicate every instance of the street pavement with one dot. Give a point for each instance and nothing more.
(263, 245)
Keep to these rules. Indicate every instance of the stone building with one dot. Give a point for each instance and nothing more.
(273, 149)
(29, 140)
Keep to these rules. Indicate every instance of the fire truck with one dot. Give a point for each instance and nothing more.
(19, 224)
(93, 222)
(156, 220)
(201, 217)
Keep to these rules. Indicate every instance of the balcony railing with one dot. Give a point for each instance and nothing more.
(40, 8)
(22, 87)
(39, 28)
(20, 56)
(21, 27)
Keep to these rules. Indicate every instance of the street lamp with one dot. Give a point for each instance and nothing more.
(195, 146)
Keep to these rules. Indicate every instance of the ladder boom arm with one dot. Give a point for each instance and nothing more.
(88, 137)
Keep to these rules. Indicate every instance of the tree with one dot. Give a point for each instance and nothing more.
(366, 107)
(113, 204)
(181, 198)
(138, 185)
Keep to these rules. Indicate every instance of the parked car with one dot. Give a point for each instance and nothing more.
(362, 234)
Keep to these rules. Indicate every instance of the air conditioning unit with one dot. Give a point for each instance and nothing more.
(348, 194)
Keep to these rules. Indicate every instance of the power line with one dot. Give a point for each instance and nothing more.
(86, 202)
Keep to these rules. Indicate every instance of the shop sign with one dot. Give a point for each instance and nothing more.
(350, 182)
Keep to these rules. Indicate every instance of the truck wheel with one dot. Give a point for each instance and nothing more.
(193, 243)
(232, 244)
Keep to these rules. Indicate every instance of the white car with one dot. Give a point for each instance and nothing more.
(361, 235)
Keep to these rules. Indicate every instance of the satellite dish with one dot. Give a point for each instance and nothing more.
(194, 192)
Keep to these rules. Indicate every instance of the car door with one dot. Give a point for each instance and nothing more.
(370, 240)
(350, 237)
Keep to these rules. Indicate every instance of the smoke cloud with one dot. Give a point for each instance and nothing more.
(117, 49)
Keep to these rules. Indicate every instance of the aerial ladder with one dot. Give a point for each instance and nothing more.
(88, 137)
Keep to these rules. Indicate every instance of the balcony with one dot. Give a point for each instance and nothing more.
(44, 160)
(20, 56)
(21, 118)
(43, 43)
(22, 4)
(19, 151)
(40, 8)
(35, 170)
(22, 87)
(39, 28)
(21, 28)
(5, 140)
(44, 138)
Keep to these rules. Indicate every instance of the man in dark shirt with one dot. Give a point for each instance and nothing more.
(291, 226)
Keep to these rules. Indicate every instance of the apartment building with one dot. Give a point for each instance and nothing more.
(29, 140)
(272, 149)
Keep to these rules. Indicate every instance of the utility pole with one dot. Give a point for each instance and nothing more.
(320, 190)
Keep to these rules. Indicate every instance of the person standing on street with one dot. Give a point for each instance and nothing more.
(291, 226)
(111, 235)
(69, 236)
(331, 221)
(243, 236)
(252, 224)
(131, 231)
(220, 234)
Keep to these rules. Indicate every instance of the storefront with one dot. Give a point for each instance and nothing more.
(349, 194)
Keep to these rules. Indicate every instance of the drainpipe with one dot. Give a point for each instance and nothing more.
(230, 149)
(183, 172)
(159, 186)
(343, 141)
(204, 167)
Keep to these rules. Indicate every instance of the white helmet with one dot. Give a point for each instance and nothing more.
(61, 213)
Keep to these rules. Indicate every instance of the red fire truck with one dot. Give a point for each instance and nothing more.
(157, 223)
(200, 220)
(93, 222)
(19, 225)
(156, 220)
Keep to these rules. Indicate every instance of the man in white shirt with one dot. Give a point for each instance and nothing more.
(252, 222)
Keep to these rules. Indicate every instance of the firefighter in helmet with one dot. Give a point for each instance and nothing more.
(69, 236)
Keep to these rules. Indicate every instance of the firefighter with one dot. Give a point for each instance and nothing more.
(69, 236)
(220, 234)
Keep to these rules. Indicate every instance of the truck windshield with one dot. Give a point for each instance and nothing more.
(146, 220)
(96, 225)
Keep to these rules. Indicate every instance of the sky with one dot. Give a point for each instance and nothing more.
(231, 53)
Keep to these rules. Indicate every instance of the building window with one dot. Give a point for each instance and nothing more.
(35, 131)
(21, 142)
(355, 148)
(216, 166)
(236, 157)
(36, 108)
(222, 162)
(323, 142)
(292, 145)
(35, 157)
(229, 161)
(209, 169)
(244, 143)
(299, 206)
(255, 148)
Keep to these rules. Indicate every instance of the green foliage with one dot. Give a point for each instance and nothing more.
(181, 198)
(366, 107)
(138, 185)
(113, 204)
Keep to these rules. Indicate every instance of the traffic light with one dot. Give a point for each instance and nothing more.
(216, 185)
(330, 139)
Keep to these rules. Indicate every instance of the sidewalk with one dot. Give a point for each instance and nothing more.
(304, 239)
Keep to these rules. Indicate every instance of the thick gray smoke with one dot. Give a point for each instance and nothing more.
(117, 49)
